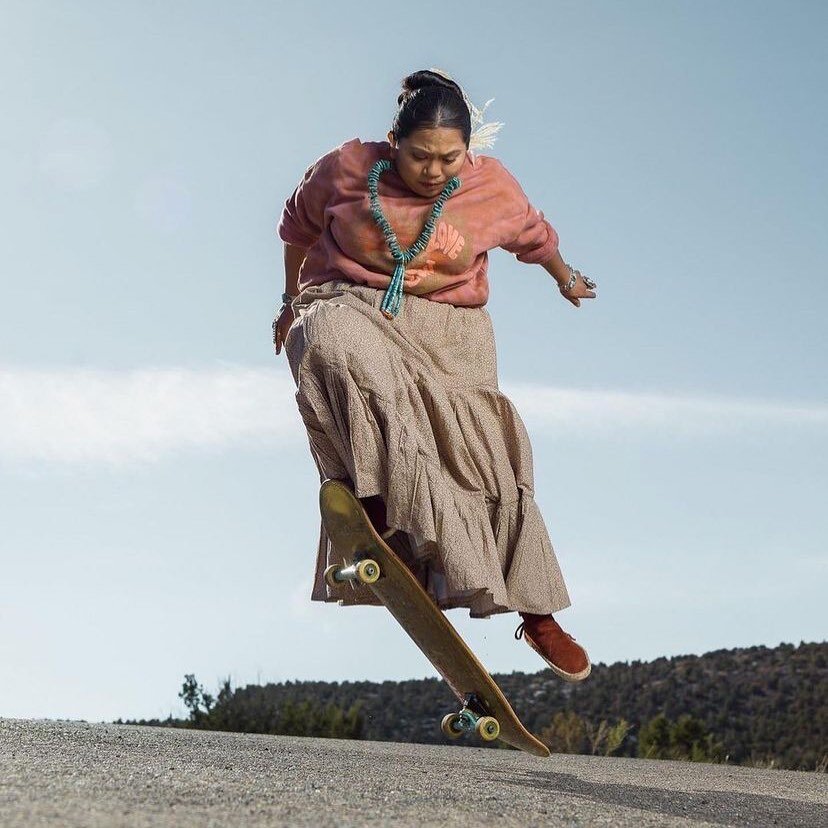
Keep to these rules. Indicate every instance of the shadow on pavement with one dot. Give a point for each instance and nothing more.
(722, 807)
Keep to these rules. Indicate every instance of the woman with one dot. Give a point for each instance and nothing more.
(393, 354)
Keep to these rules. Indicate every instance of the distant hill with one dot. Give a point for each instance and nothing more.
(763, 705)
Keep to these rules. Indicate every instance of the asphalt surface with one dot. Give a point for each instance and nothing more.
(62, 773)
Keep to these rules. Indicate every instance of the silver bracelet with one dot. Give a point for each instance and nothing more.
(286, 300)
(570, 283)
(573, 277)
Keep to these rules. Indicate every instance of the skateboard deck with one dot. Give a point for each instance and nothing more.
(368, 560)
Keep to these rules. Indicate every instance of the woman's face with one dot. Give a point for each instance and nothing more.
(428, 158)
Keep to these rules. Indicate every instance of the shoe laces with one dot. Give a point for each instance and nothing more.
(519, 632)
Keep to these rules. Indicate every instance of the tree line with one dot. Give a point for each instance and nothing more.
(755, 706)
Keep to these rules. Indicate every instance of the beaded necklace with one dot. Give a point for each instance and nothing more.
(393, 296)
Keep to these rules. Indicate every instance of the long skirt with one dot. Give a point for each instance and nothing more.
(409, 409)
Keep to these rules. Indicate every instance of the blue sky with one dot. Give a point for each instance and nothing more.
(159, 501)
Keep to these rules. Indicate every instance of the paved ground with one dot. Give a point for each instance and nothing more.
(78, 774)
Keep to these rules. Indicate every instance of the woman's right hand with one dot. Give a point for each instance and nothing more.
(281, 325)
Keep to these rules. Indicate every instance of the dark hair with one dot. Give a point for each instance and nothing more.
(429, 100)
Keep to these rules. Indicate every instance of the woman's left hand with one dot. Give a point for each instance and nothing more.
(580, 290)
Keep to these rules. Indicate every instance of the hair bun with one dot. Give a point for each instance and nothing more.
(422, 79)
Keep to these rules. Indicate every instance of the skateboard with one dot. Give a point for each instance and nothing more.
(368, 560)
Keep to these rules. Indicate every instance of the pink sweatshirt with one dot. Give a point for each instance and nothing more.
(329, 214)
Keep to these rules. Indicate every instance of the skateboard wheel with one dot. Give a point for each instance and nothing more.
(487, 728)
(448, 726)
(368, 571)
(330, 575)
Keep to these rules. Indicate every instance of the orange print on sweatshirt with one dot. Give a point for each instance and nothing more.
(447, 239)
(442, 256)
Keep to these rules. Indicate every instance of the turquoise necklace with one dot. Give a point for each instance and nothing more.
(393, 296)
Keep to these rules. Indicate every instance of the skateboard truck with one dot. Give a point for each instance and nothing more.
(472, 717)
(363, 570)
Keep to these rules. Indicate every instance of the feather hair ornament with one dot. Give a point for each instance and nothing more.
(482, 134)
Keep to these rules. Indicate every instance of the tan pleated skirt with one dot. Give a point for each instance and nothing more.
(409, 409)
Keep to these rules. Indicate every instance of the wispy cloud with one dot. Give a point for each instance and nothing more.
(605, 411)
(126, 417)
(138, 416)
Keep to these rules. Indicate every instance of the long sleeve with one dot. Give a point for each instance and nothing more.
(303, 217)
(527, 233)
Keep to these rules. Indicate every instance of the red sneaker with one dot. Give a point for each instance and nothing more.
(556, 647)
